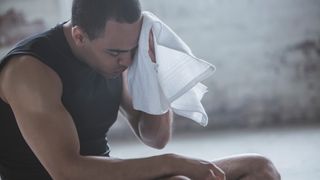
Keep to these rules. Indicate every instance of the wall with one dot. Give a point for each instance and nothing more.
(266, 54)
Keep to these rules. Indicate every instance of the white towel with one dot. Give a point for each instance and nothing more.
(171, 82)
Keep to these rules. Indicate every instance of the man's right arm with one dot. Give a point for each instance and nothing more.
(34, 92)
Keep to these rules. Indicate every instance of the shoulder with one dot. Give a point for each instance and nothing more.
(26, 74)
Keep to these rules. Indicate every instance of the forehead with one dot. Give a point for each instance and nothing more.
(120, 35)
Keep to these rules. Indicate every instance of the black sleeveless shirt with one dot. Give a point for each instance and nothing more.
(92, 101)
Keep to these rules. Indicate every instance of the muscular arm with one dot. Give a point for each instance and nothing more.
(153, 130)
(34, 92)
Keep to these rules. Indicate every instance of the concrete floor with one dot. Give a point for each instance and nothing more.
(294, 150)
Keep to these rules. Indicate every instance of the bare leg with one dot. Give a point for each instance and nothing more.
(175, 178)
(243, 167)
(248, 167)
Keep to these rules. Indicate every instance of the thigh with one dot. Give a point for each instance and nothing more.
(235, 167)
(175, 178)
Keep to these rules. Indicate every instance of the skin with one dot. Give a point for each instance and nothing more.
(33, 90)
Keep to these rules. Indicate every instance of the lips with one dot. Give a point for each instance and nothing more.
(119, 71)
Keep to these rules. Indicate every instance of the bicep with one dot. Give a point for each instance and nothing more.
(34, 91)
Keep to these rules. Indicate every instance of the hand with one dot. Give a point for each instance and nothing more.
(198, 169)
(151, 47)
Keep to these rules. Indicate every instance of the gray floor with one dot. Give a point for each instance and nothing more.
(294, 150)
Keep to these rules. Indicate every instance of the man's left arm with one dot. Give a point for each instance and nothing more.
(152, 130)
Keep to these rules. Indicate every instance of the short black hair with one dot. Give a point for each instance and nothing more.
(91, 15)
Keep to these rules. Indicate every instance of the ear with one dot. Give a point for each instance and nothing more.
(78, 36)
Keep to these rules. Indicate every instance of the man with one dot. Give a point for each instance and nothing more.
(61, 91)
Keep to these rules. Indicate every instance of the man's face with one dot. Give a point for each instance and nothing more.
(112, 52)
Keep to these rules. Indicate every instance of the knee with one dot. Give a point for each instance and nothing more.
(178, 178)
(264, 168)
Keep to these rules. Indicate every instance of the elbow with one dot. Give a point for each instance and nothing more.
(67, 170)
(155, 130)
(156, 141)
(160, 144)
(157, 145)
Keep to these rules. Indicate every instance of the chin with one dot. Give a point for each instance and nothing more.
(111, 76)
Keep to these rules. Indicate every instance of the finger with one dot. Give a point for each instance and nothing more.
(212, 176)
(151, 47)
(219, 172)
(152, 57)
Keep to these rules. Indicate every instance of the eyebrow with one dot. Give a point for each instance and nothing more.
(122, 50)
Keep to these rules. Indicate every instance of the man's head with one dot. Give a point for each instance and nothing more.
(92, 15)
(106, 33)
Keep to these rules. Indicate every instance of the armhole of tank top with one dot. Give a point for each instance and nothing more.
(9, 57)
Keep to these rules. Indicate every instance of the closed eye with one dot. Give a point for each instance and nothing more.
(112, 53)
(117, 52)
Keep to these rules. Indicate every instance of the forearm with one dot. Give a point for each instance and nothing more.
(155, 130)
(89, 167)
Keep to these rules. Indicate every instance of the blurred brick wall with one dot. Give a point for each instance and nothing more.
(266, 54)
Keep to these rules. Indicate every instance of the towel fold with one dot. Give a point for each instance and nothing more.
(174, 80)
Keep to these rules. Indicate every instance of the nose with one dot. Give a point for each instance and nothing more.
(125, 59)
